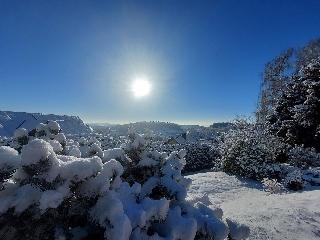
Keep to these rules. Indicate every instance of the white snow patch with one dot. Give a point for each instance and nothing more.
(269, 216)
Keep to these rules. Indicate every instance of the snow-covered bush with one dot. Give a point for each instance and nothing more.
(3, 141)
(9, 161)
(90, 147)
(199, 157)
(46, 195)
(294, 180)
(237, 231)
(249, 150)
(117, 154)
(49, 132)
(273, 186)
(312, 176)
(20, 138)
(304, 157)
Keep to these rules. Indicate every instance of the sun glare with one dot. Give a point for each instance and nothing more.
(140, 87)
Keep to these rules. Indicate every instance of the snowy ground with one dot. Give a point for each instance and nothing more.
(269, 216)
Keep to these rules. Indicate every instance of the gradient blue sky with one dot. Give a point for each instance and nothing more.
(204, 58)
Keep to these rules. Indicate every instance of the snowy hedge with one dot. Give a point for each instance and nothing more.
(49, 193)
(200, 157)
(249, 150)
(304, 157)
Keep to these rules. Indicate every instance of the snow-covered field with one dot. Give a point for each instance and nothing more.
(291, 216)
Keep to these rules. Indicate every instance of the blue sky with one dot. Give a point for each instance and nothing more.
(203, 58)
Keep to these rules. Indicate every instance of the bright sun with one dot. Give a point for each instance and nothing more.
(140, 87)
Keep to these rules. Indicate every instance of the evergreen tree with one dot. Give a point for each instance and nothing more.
(296, 117)
(278, 73)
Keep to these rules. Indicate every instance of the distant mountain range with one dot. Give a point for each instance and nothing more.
(164, 129)
(149, 128)
(9, 121)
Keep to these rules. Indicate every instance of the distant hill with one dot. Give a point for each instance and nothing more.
(152, 128)
(9, 121)
(164, 129)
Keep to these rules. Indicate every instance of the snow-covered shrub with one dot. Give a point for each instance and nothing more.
(160, 176)
(3, 141)
(199, 157)
(312, 176)
(90, 147)
(294, 180)
(49, 132)
(46, 195)
(273, 186)
(304, 157)
(249, 150)
(117, 154)
(74, 151)
(72, 148)
(108, 141)
(20, 136)
(237, 231)
(9, 161)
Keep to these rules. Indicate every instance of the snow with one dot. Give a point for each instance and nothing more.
(147, 187)
(55, 145)
(35, 151)
(24, 197)
(61, 138)
(9, 158)
(109, 209)
(157, 209)
(53, 126)
(210, 221)
(74, 151)
(108, 177)
(115, 153)
(78, 169)
(177, 226)
(41, 127)
(138, 141)
(147, 162)
(20, 132)
(237, 230)
(217, 204)
(95, 149)
(293, 215)
(53, 198)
